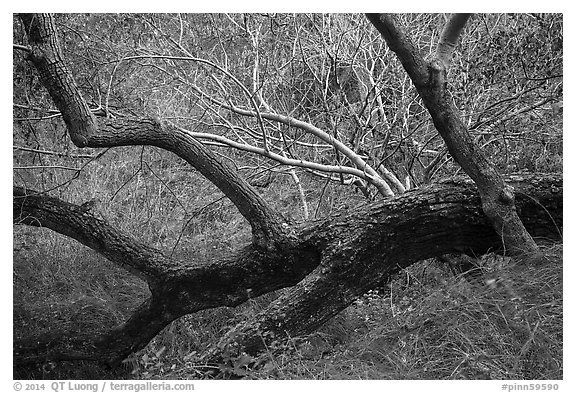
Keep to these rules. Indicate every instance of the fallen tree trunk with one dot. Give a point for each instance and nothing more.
(330, 263)
(372, 243)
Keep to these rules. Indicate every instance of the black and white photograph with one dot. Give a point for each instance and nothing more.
(287, 196)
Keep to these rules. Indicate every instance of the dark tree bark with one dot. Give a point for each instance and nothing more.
(269, 229)
(430, 79)
(332, 261)
(46, 55)
(177, 287)
(328, 262)
(372, 243)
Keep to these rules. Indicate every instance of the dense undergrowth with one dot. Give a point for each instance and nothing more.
(427, 323)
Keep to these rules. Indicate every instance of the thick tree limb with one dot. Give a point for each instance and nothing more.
(372, 243)
(400, 43)
(332, 261)
(269, 229)
(46, 55)
(217, 283)
(430, 79)
(110, 348)
(36, 209)
(177, 287)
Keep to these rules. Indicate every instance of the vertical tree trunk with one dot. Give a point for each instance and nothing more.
(431, 81)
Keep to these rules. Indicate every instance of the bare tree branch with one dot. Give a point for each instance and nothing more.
(267, 225)
(430, 79)
(54, 153)
(449, 37)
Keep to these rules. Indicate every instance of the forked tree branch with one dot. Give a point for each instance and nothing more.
(361, 165)
(269, 228)
(449, 37)
(430, 79)
(340, 257)
(373, 177)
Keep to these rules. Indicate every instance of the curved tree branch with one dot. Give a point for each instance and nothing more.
(33, 208)
(430, 79)
(449, 37)
(278, 157)
(332, 261)
(373, 178)
(269, 228)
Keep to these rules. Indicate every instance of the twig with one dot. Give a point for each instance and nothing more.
(46, 167)
(54, 153)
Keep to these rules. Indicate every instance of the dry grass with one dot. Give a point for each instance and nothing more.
(431, 326)
(428, 324)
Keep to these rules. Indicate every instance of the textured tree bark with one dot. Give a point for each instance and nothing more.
(331, 263)
(177, 287)
(372, 243)
(270, 230)
(430, 79)
(46, 55)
